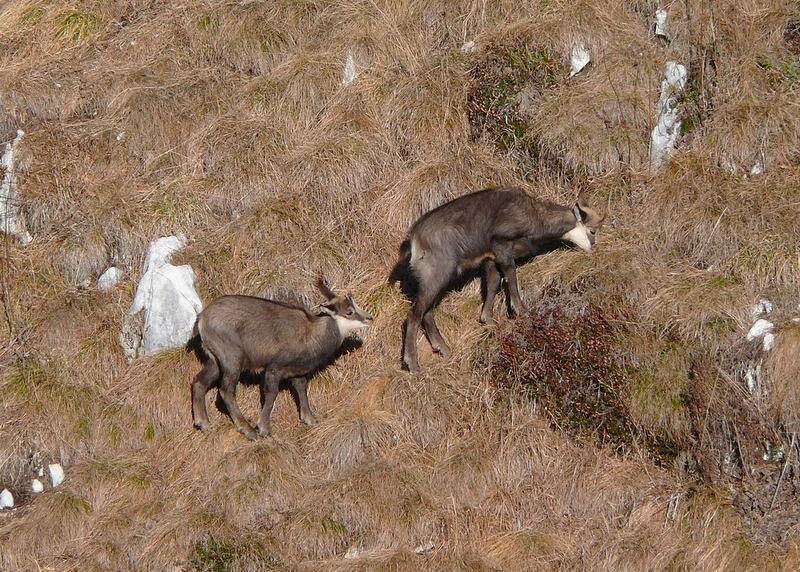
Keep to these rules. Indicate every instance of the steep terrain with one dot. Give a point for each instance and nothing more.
(627, 422)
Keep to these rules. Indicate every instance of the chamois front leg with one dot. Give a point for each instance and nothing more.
(299, 387)
(270, 386)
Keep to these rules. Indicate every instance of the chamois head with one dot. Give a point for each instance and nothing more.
(587, 223)
(348, 315)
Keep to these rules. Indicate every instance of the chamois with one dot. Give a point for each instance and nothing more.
(244, 333)
(493, 227)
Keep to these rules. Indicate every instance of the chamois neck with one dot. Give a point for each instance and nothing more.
(556, 220)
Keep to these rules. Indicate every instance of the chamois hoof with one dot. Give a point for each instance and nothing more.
(487, 321)
(411, 367)
(443, 351)
(264, 432)
(250, 434)
(201, 425)
(514, 313)
(309, 420)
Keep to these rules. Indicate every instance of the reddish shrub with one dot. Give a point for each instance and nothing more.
(566, 362)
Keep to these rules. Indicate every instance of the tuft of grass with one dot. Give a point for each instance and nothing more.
(509, 76)
(79, 25)
(32, 16)
(783, 74)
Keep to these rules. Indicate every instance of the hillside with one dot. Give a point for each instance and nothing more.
(633, 419)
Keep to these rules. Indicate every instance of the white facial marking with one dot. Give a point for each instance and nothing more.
(579, 236)
(347, 326)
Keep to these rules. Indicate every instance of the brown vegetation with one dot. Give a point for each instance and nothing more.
(229, 122)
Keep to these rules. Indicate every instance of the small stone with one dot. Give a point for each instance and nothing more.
(661, 24)
(763, 306)
(350, 72)
(352, 553)
(759, 328)
(769, 341)
(774, 454)
(6, 499)
(37, 486)
(56, 473)
(468, 46)
(579, 58)
(109, 278)
(751, 377)
(423, 548)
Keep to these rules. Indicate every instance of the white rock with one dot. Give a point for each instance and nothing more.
(109, 278)
(11, 221)
(759, 328)
(579, 58)
(350, 72)
(752, 376)
(120, 135)
(166, 299)
(37, 486)
(668, 124)
(729, 165)
(56, 474)
(6, 499)
(763, 306)
(769, 341)
(774, 454)
(352, 553)
(468, 46)
(661, 24)
(757, 169)
(423, 548)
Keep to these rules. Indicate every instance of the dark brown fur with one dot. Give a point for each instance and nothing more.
(492, 227)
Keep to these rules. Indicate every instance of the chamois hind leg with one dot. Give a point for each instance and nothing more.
(299, 387)
(434, 335)
(227, 391)
(506, 265)
(492, 278)
(432, 283)
(410, 328)
(270, 385)
(203, 381)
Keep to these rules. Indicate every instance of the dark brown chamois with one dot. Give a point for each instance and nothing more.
(244, 333)
(493, 228)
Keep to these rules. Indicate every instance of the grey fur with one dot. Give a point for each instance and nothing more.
(244, 333)
(493, 227)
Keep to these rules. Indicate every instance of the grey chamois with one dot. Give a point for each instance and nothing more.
(244, 333)
(493, 228)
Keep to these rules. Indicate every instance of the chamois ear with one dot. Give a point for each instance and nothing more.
(580, 216)
(324, 289)
(326, 309)
(582, 202)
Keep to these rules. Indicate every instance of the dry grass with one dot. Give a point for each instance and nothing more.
(229, 122)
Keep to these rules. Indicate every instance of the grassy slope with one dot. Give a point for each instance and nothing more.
(228, 121)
